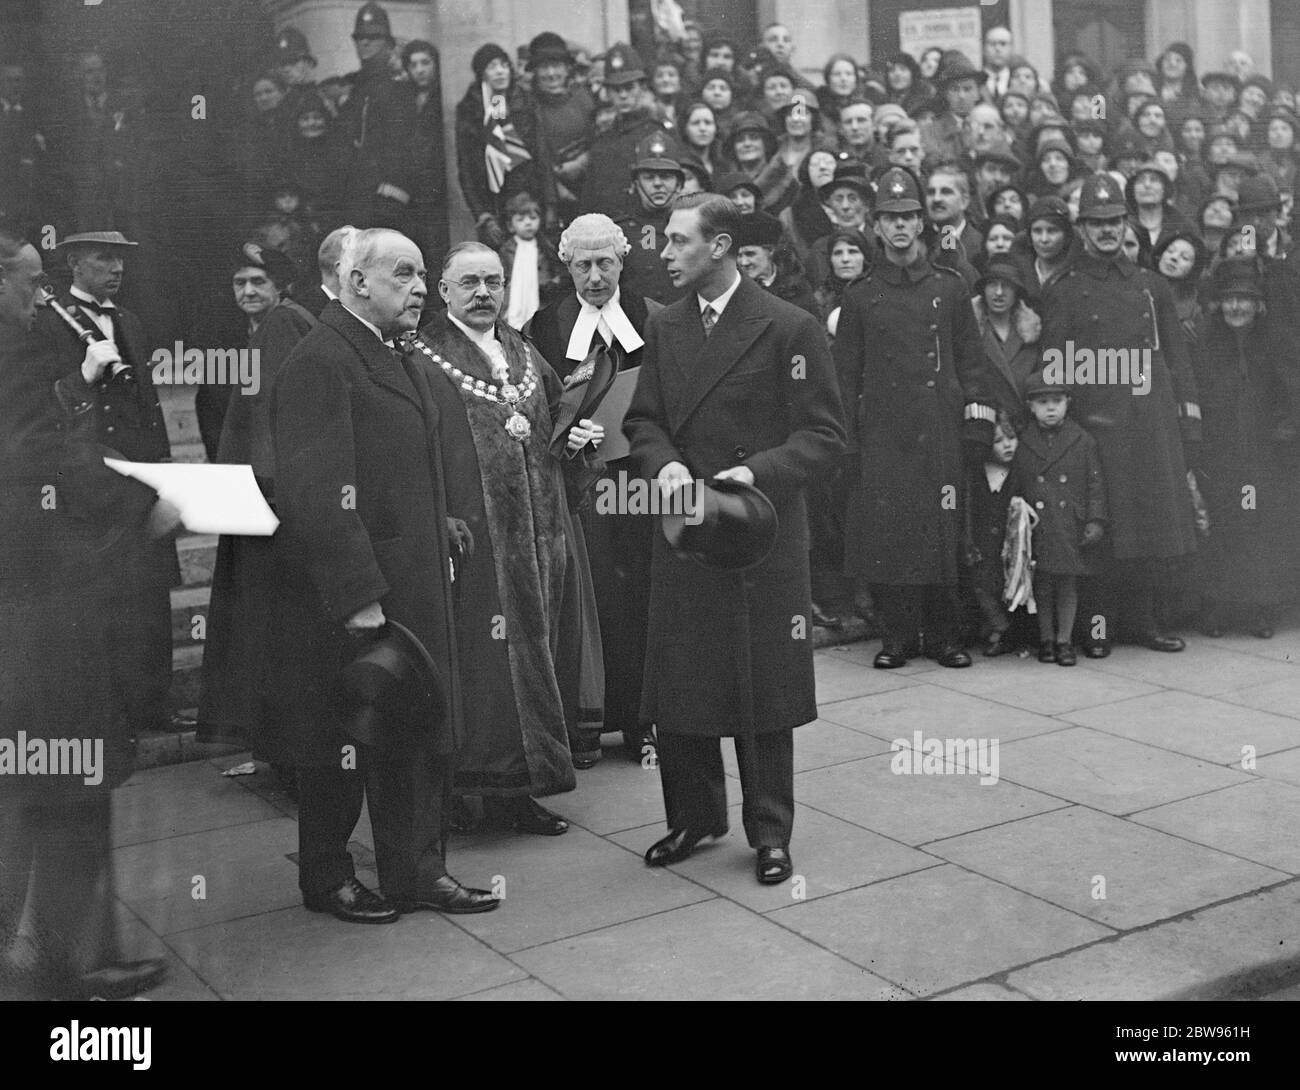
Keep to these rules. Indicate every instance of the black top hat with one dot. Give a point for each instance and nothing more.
(393, 695)
(732, 528)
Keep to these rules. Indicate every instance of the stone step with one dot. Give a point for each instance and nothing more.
(187, 604)
(187, 675)
(198, 555)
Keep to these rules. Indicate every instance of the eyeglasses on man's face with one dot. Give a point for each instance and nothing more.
(471, 283)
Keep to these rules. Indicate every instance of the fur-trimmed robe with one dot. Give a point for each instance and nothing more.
(525, 612)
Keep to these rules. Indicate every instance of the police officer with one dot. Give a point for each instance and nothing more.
(612, 154)
(908, 355)
(657, 177)
(295, 65)
(129, 420)
(382, 179)
(1143, 420)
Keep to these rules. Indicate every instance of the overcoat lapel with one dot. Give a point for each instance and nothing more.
(381, 364)
(1002, 353)
(1048, 456)
(702, 362)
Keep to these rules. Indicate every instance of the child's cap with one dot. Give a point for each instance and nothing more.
(1039, 385)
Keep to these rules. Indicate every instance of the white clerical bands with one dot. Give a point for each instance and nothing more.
(975, 411)
(589, 320)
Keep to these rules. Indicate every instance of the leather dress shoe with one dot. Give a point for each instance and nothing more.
(1046, 651)
(1155, 642)
(889, 658)
(773, 865)
(122, 980)
(448, 895)
(1098, 650)
(824, 618)
(353, 903)
(953, 657)
(677, 846)
(1065, 655)
(584, 749)
(531, 817)
(635, 741)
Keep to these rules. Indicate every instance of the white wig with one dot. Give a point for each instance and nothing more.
(594, 231)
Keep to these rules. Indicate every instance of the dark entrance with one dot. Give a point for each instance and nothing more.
(737, 19)
(1109, 31)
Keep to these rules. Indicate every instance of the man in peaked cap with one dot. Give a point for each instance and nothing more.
(1147, 422)
(946, 137)
(657, 178)
(382, 181)
(613, 153)
(130, 421)
(916, 388)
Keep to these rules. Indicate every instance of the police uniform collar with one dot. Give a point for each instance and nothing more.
(918, 270)
(1099, 266)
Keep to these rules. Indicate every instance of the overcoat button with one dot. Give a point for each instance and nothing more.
(930, 382)
(1063, 478)
(1039, 505)
(108, 408)
(1061, 504)
(1040, 480)
(741, 452)
(933, 328)
(109, 428)
(929, 355)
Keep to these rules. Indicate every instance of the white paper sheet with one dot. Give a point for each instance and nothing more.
(212, 499)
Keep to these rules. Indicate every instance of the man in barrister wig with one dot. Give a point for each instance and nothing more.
(525, 612)
(129, 421)
(604, 316)
(737, 391)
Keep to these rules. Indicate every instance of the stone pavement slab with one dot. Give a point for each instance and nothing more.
(937, 712)
(914, 809)
(244, 869)
(1038, 687)
(1196, 726)
(1281, 697)
(980, 993)
(1109, 773)
(1283, 647)
(296, 954)
(1256, 821)
(1175, 956)
(613, 794)
(1281, 766)
(710, 951)
(139, 942)
(830, 854)
(819, 744)
(939, 928)
(1202, 668)
(560, 886)
(840, 679)
(523, 991)
(1148, 875)
(180, 799)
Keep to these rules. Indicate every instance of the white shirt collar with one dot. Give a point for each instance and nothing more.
(369, 325)
(487, 337)
(86, 297)
(610, 320)
(720, 303)
(328, 294)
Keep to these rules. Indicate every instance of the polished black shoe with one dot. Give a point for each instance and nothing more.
(1098, 650)
(1065, 655)
(824, 618)
(1046, 652)
(353, 903)
(635, 741)
(529, 816)
(123, 980)
(584, 749)
(1163, 643)
(773, 866)
(953, 657)
(448, 895)
(677, 846)
(889, 658)
(1261, 627)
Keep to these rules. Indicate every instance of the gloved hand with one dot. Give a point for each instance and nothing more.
(459, 534)
(100, 356)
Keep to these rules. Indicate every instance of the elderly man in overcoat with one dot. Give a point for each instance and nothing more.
(364, 538)
(736, 384)
(1146, 419)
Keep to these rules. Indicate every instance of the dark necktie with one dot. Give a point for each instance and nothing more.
(710, 318)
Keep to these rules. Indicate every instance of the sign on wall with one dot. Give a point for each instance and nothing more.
(944, 28)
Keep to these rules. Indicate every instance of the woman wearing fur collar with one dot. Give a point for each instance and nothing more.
(1009, 330)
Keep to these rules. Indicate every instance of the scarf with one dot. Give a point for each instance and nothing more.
(502, 148)
(525, 295)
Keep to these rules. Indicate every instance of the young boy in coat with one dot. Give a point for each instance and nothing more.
(1057, 471)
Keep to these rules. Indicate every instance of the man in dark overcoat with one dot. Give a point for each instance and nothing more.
(916, 388)
(67, 524)
(736, 384)
(364, 537)
(603, 313)
(129, 421)
(1141, 419)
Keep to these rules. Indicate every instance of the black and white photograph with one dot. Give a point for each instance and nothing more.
(590, 500)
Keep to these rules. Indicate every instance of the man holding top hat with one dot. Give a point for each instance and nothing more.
(360, 546)
(736, 407)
